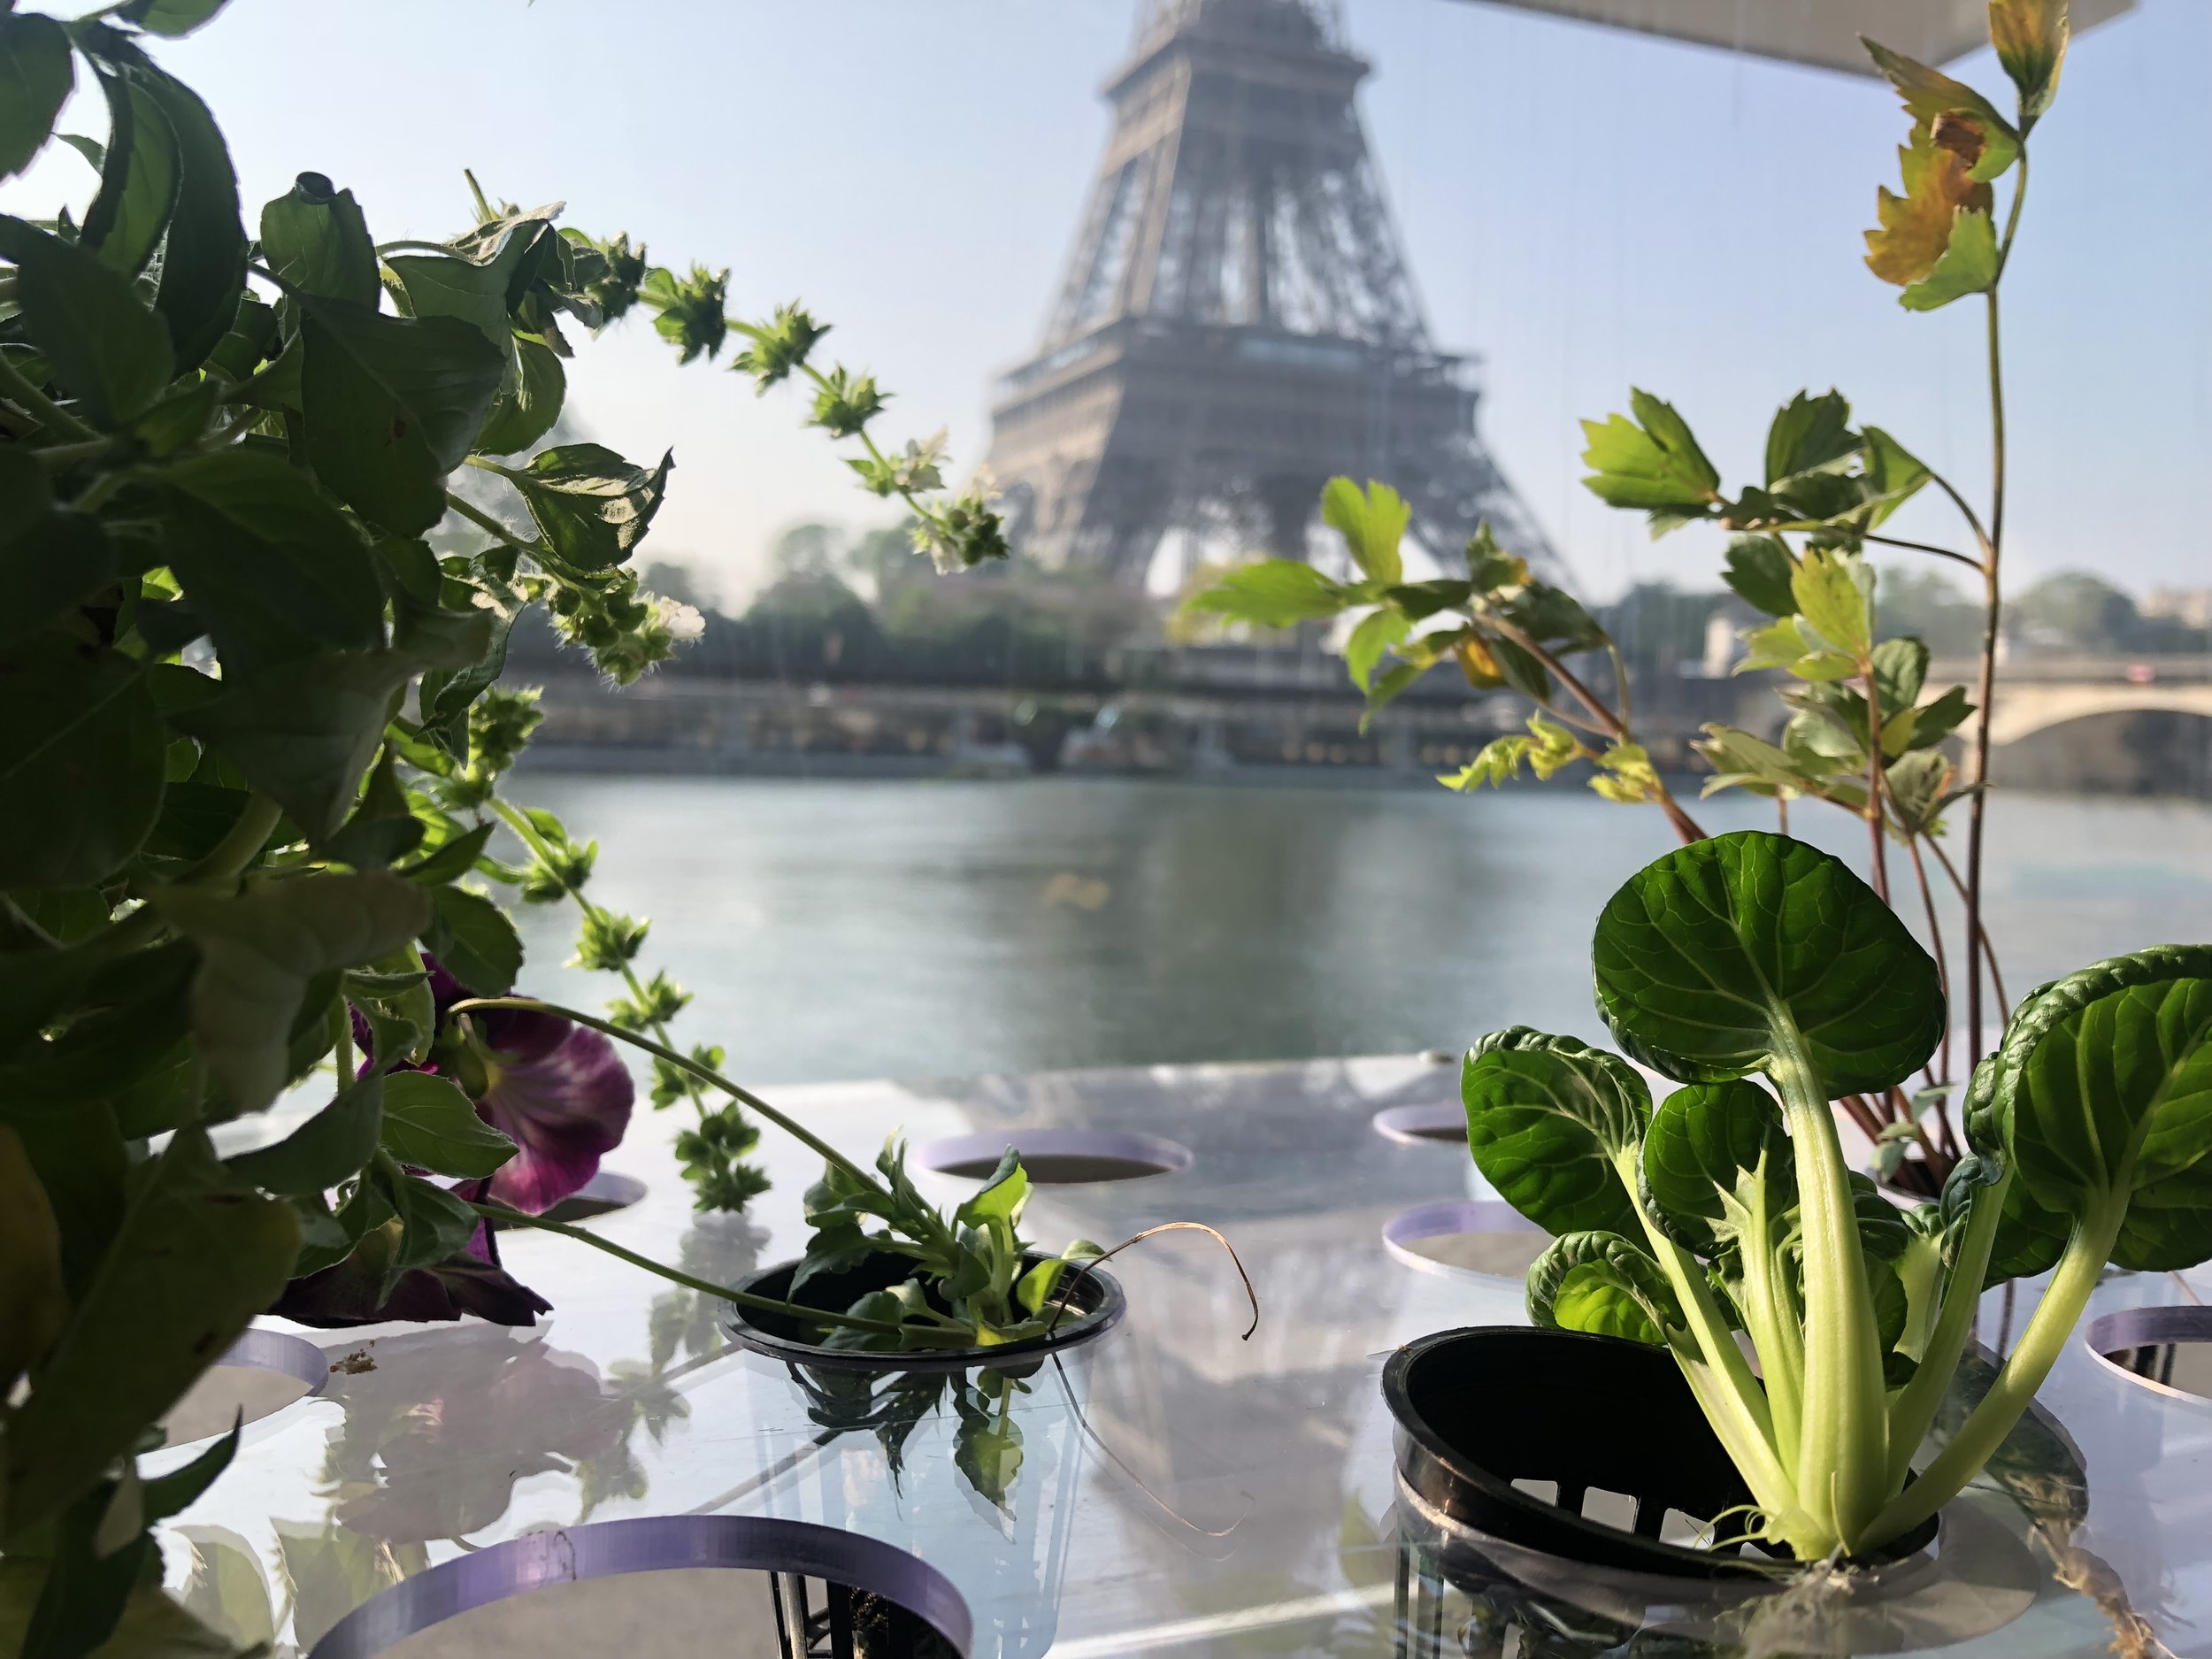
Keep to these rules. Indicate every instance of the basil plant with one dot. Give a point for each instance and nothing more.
(1771, 981)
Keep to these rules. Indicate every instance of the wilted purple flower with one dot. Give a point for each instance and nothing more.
(345, 1294)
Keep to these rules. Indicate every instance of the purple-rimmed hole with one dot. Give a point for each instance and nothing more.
(1462, 1235)
(2166, 1349)
(771, 1561)
(1432, 1122)
(604, 1193)
(259, 1376)
(1057, 1157)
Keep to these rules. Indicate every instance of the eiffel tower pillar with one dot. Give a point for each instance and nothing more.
(1237, 324)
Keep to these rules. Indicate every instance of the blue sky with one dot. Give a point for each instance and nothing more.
(1586, 210)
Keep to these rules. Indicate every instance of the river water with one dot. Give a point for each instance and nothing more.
(848, 929)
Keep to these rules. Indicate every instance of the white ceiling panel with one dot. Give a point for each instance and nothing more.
(1820, 32)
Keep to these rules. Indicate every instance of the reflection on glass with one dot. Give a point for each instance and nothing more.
(438, 1433)
(722, 1249)
(986, 1446)
(1016, 1440)
(439, 1429)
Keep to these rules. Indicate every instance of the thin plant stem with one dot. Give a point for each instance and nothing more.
(1083, 1268)
(510, 1217)
(342, 1041)
(920, 508)
(57, 456)
(1966, 510)
(1924, 547)
(222, 865)
(17, 390)
(1935, 939)
(229, 857)
(485, 522)
(1989, 951)
(637, 1040)
(1880, 856)
(1610, 725)
(1977, 809)
(528, 834)
(1856, 1108)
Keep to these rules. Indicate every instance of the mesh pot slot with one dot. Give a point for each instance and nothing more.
(1097, 1307)
(742, 1585)
(1057, 1157)
(2168, 1350)
(1433, 1123)
(1486, 1236)
(1580, 1447)
(605, 1193)
(259, 1375)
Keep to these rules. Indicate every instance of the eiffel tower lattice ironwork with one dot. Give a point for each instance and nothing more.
(1238, 324)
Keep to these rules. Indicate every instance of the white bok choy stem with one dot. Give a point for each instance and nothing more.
(1843, 1444)
(1915, 1409)
(1718, 1374)
(2063, 1302)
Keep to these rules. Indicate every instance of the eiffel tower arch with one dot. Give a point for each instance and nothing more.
(1237, 324)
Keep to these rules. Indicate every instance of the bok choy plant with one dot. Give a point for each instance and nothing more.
(1866, 730)
(1764, 975)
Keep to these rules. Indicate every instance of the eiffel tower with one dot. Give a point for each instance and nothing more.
(1237, 324)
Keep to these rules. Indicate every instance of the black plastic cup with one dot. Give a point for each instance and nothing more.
(1094, 1307)
(1481, 1408)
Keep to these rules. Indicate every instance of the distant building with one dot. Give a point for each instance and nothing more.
(1721, 649)
(2192, 607)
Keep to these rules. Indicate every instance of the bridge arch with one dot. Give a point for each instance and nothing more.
(2026, 709)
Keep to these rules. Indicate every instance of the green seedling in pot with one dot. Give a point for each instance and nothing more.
(973, 1285)
(1769, 980)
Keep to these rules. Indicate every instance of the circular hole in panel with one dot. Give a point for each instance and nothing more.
(1057, 1157)
(1486, 1236)
(1434, 1123)
(605, 1191)
(260, 1374)
(2168, 1350)
(728, 1585)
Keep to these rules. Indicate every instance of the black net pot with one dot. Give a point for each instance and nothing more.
(1477, 1410)
(1094, 1307)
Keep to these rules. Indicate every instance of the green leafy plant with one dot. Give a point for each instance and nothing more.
(252, 743)
(1729, 1207)
(1864, 732)
(974, 1284)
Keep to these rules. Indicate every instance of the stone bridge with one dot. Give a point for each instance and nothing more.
(2035, 695)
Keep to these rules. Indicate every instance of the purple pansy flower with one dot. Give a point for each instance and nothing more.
(558, 1090)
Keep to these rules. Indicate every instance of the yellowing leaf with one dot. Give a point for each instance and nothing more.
(2031, 37)
(1949, 113)
(1479, 663)
(1968, 265)
(1917, 226)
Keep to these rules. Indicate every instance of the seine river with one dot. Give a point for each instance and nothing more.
(928, 929)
